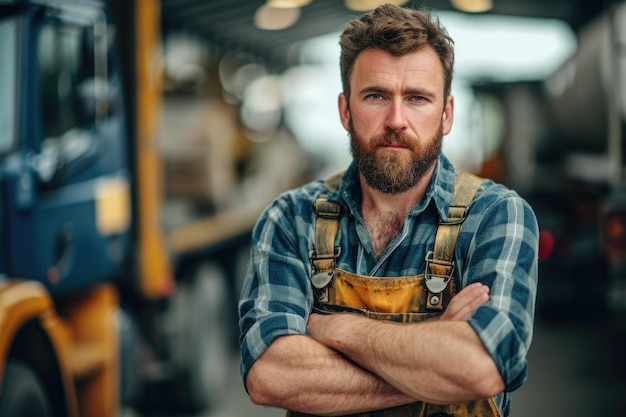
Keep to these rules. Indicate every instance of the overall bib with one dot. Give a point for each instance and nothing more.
(403, 299)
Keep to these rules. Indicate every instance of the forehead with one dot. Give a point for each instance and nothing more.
(416, 69)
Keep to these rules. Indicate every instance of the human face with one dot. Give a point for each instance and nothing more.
(396, 116)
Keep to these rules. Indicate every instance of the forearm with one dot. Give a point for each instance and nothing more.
(297, 373)
(435, 361)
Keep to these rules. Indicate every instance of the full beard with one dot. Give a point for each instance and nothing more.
(394, 172)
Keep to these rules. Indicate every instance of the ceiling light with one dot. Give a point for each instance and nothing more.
(363, 5)
(287, 4)
(473, 6)
(275, 18)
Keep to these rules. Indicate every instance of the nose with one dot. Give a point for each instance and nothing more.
(396, 119)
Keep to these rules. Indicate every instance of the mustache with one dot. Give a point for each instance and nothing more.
(394, 138)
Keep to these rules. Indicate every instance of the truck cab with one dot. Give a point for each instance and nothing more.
(65, 209)
(98, 309)
(64, 165)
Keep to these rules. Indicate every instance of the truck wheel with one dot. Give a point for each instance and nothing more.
(22, 393)
(206, 334)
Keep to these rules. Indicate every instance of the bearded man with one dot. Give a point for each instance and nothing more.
(400, 287)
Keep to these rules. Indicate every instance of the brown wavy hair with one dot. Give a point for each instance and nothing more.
(398, 31)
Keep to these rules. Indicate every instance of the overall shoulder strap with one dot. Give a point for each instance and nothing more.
(334, 182)
(440, 262)
(324, 255)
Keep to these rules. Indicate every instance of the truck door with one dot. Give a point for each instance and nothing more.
(67, 194)
(8, 108)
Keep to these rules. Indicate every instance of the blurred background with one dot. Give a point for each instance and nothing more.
(141, 139)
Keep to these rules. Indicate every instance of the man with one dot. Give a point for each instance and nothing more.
(447, 261)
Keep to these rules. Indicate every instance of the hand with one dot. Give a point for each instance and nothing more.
(466, 301)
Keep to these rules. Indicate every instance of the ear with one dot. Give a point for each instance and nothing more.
(448, 115)
(344, 110)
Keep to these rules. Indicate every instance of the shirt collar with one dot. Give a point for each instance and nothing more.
(439, 192)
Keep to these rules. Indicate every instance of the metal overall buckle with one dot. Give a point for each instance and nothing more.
(436, 283)
(321, 278)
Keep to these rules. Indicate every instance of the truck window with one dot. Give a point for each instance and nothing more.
(63, 73)
(8, 82)
(74, 95)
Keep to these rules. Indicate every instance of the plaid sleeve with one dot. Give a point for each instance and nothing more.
(275, 299)
(503, 255)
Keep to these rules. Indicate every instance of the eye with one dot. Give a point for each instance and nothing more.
(417, 98)
(374, 96)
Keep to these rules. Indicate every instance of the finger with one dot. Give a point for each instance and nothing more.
(466, 301)
(465, 311)
(469, 308)
(468, 294)
(475, 288)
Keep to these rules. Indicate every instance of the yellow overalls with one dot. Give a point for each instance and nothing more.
(401, 299)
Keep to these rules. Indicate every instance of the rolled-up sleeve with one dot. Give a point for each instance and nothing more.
(275, 299)
(504, 255)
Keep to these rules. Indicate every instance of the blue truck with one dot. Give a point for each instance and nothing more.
(101, 305)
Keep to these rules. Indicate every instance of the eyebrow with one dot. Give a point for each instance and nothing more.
(409, 91)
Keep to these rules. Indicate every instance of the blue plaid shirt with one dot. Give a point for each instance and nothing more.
(497, 246)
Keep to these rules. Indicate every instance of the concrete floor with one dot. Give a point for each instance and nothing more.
(572, 372)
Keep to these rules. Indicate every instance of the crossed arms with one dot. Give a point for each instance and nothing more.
(349, 363)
